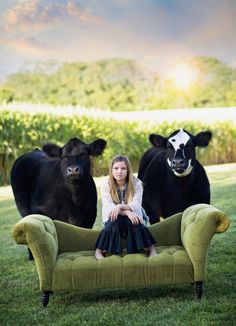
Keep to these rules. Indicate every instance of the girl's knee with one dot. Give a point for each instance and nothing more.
(111, 225)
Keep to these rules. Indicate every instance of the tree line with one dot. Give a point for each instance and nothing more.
(120, 85)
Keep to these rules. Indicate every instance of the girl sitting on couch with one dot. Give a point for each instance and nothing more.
(122, 212)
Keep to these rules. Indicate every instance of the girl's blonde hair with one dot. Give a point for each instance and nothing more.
(129, 194)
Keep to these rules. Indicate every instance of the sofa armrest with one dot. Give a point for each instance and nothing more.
(39, 233)
(199, 223)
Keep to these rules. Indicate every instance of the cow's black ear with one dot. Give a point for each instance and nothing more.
(96, 147)
(202, 139)
(52, 150)
(158, 140)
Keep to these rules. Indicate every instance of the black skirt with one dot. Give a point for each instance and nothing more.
(137, 237)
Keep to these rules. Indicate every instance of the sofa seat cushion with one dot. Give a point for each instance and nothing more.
(80, 270)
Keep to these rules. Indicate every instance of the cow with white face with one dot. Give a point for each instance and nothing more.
(173, 178)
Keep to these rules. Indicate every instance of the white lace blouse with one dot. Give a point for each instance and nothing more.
(108, 204)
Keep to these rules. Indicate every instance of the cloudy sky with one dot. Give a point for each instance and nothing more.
(156, 33)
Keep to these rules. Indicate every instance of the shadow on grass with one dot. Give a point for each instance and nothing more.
(179, 292)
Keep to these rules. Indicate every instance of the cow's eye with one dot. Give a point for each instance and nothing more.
(169, 146)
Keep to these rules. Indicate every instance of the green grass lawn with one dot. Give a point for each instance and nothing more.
(166, 305)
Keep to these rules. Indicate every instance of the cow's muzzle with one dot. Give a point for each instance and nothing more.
(73, 172)
(179, 165)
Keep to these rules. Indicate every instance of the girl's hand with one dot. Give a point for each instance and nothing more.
(115, 212)
(133, 218)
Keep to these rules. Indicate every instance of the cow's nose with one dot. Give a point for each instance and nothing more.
(73, 170)
(178, 162)
(178, 165)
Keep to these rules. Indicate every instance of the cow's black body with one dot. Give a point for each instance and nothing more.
(168, 188)
(57, 182)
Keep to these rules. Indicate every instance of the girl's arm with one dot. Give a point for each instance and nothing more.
(133, 210)
(136, 204)
(134, 218)
(125, 207)
(107, 202)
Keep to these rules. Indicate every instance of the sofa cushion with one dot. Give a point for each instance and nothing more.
(80, 270)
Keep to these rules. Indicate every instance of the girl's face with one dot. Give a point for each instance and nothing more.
(119, 171)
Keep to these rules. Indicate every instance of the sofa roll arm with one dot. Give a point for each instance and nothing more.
(39, 233)
(198, 225)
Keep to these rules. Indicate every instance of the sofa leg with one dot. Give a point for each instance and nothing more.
(199, 289)
(45, 297)
(31, 257)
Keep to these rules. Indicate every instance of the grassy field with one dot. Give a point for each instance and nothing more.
(167, 305)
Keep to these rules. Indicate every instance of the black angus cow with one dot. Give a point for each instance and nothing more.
(57, 182)
(173, 179)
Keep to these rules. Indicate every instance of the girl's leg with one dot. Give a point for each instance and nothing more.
(139, 237)
(131, 243)
(99, 254)
(109, 239)
(151, 251)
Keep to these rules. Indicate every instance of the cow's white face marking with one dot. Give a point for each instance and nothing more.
(180, 138)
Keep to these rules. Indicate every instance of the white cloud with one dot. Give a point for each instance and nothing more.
(153, 32)
(35, 14)
(27, 45)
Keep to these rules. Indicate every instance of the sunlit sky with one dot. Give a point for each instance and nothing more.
(156, 33)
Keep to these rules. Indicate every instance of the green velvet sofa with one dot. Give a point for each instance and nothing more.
(64, 254)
